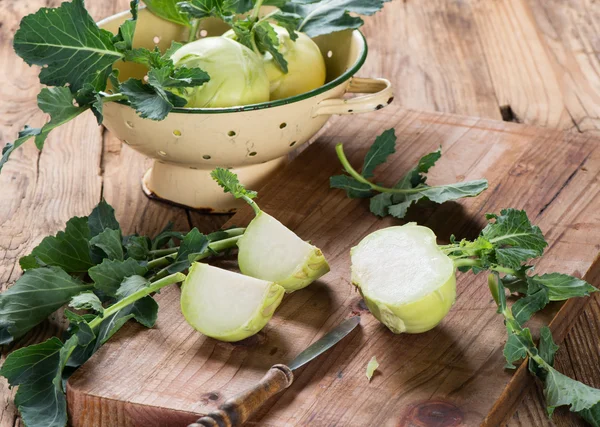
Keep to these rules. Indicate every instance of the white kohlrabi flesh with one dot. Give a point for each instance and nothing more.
(237, 75)
(225, 305)
(407, 282)
(268, 250)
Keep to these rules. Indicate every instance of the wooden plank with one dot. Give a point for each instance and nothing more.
(455, 370)
(431, 52)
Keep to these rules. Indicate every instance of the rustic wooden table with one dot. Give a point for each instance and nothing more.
(529, 61)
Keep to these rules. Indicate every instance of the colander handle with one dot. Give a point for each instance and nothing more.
(379, 95)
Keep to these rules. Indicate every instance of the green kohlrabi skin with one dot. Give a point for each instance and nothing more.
(237, 75)
(407, 282)
(306, 67)
(270, 251)
(225, 305)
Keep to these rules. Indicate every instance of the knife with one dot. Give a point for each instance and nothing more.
(238, 409)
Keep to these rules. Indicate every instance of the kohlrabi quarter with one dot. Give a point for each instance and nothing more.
(269, 250)
(407, 282)
(237, 75)
(225, 305)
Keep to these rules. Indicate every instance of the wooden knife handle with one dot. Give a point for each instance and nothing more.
(237, 410)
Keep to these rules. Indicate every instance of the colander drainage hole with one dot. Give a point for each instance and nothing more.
(283, 125)
(203, 33)
(252, 154)
(162, 153)
(329, 54)
(156, 40)
(177, 132)
(231, 133)
(129, 124)
(206, 157)
(293, 143)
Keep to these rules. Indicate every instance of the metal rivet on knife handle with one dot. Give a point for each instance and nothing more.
(238, 409)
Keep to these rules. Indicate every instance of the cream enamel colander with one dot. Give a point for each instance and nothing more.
(252, 140)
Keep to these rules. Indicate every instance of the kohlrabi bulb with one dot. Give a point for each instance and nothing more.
(407, 282)
(237, 75)
(306, 67)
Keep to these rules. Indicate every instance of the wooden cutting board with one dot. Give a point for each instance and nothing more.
(452, 375)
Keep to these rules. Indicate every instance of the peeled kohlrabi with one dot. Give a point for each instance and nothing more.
(225, 305)
(237, 75)
(406, 280)
(269, 250)
(305, 64)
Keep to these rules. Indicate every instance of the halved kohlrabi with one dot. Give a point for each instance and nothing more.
(225, 305)
(407, 282)
(269, 250)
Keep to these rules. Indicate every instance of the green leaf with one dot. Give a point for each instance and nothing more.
(561, 390)
(87, 301)
(79, 326)
(289, 21)
(109, 275)
(517, 344)
(525, 307)
(547, 347)
(110, 243)
(562, 286)
(354, 189)
(328, 16)
(514, 238)
(193, 243)
(149, 102)
(69, 249)
(131, 285)
(101, 218)
(24, 136)
(137, 247)
(200, 9)
(230, 183)
(267, 41)
(382, 148)
(68, 44)
(591, 415)
(34, 296)
(124, 39)
(40, 401)
(167, 77)
(167, 9)
(417, 175)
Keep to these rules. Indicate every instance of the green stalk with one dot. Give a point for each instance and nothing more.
(162, 261)
(471, 262)
(252, 203)
(193, 30)
(256, 9)
(339, 149)
(162, 252)
(113, 97)
(153, 287)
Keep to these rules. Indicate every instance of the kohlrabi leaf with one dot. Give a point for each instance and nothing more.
(287, 20)
(517, 344)
(69, 46)
(562, 286)
(137, 247)
(69, 249)
(124, 39)
(328, 16)
(41, 402)
(168, 10)
(167, 77)
(230, 183)
(267, 41)
(130, 285)
(561, 390)
(24, 136)
(101, 218)
(109, 275)
(222, 9)
(149, 102)
(525, 307)
(193, 243)
(354, 189)
(418, 175)
(515, 240)
(382, 148)
(547, 348)
(110, 243)
(87, 301)
(35, 295)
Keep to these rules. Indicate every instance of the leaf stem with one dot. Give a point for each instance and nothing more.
(113, 97)
(253, 204)
(193, 30)
(473, 262)
(162, 261)
(166, 251)
(130, 299)
(256, 9)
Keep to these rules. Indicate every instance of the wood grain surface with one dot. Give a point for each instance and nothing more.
(530, 61)
(454, 372)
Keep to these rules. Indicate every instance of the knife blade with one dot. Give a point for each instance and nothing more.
(238, 409)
